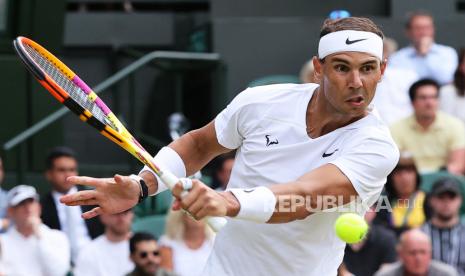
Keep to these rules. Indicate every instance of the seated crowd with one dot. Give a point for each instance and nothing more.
(420, 233)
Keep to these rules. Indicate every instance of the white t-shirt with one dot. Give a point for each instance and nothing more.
(25, 256)
(451, 102)
(186, 261)
(102, 257)
(267, 126)
(392, 99)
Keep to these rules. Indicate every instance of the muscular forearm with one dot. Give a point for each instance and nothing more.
(323, 188)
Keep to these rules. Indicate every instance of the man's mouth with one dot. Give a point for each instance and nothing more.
(357, 101)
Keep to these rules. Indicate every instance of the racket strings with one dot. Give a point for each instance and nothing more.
(61, 78)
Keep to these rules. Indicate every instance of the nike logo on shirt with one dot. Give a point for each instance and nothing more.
(348, 41)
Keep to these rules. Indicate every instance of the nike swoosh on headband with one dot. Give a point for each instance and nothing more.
(348, 42)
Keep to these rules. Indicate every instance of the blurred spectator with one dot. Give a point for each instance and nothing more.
(145, 255)
(405, 197)
(222, 170)
(414, 251)
(436, 139)
(445, 230)
(452, 96)
(307, 73)
(109, 253)
(61, 163)
(4, 222)
(187, 244)
(377, 249)
(391, 97)
(424, 56)
(29, 247)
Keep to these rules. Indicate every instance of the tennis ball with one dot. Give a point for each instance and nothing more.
(351, 227)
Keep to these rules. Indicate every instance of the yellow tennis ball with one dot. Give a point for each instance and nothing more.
(351, 227)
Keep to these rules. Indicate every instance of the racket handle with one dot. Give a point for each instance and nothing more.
(215, 223)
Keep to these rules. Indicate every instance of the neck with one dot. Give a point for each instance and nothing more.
(444, 223)
(425, 122)
(116, 237)
(322, 117)
(140, 272)
(26, 231)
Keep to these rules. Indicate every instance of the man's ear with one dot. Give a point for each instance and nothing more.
(383, 66)
(318, 69)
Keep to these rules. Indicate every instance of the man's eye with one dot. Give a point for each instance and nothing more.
(368, 68)
(341, 68)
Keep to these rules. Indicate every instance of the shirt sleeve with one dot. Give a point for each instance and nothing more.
(233, 123)
(367, 161)
(442, 64)
(457, 139)
(54, 252)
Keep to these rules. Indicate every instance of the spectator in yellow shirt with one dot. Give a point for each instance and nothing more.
(405, 198)
(436, 140)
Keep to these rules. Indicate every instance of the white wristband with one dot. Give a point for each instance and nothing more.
(167, 159)
(257, 204)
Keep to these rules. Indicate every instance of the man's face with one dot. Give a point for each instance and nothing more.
(426, 102)
(349, 80)
(118, 224)
(62, 168)
(446, 205)
(420, 26)
(404, 181)
(416, 256)
(146, 256)
(26, 210)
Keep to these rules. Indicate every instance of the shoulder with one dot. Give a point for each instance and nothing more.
(441, 268)
(401, 124)
(445, 49)
(448, 88)
(393, 269)
(272, 92)
(450, 121)
(402, 53)
(53, 233)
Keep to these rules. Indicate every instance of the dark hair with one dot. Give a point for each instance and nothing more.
(412, 15)
(390, 190)
(459, 76)
(56, 153)
(350, 23)
(412, 92)
(139, 237)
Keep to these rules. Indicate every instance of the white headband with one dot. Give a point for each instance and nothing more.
(351, 41)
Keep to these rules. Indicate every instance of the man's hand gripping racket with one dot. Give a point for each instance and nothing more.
(71, 91)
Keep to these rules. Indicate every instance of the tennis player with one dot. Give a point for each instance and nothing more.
(293, 141)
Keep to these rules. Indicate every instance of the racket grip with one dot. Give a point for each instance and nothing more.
(216, 223)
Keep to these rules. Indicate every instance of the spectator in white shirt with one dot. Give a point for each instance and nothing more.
(427, 58)
(452, 96)
(61, 163)
(109, 253)
(30, 247)
(4, 222)
(187, 244)
(391, 99)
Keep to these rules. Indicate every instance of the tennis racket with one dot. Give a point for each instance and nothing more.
(75, 94)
